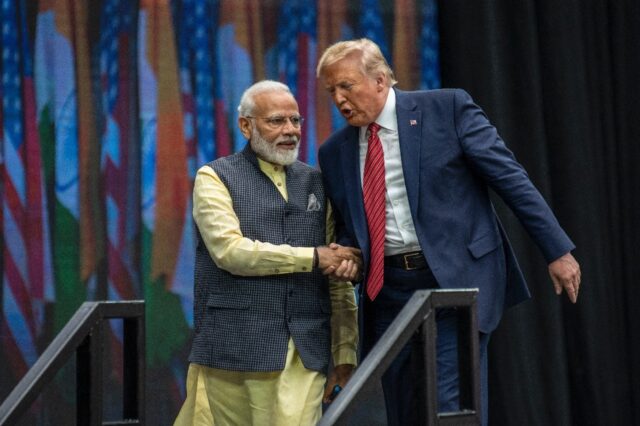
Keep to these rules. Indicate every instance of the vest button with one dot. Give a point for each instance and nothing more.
(276, 270)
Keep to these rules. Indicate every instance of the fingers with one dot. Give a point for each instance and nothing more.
(557, 286)
(347, 271)
(329, 270)
(346, 251)
(571, 292)
(336, 381)
(565, 274)
(334, 254)
(328, 390)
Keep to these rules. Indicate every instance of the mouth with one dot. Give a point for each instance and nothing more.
(288, 145)
(346, 112)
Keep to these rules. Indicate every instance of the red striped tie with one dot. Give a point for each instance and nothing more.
(373, 189)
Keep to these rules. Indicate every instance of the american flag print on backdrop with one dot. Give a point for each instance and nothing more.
(108, 108)
(165, 179)
(119, 164)
(296, 62)
(27, 274)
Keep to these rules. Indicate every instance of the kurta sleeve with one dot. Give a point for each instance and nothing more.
(230, 250)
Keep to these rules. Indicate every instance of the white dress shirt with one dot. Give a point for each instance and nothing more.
(400, 234)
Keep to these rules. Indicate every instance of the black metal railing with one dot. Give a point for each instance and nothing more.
(420, 314)
(84, 335)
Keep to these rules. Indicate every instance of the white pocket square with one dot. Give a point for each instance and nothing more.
(313, 205)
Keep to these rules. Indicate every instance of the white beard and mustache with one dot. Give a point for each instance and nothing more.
(268, 150)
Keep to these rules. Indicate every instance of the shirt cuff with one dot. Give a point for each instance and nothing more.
(304, 259)
(345, 355)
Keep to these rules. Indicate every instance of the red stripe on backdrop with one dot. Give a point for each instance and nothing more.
(12, 200)
(116, 184)
(122, 111)
(20, 293)
(223, 140)
(119, 275)
(34, 208)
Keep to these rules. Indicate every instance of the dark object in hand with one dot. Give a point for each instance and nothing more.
(336, 390)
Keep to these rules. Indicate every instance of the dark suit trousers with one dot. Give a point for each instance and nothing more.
(400, 382)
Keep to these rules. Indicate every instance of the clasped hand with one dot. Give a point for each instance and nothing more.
(339, 262)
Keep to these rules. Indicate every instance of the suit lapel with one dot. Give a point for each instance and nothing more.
(349, 154)
(409, 135)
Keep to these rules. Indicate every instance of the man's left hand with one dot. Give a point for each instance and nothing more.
(565, 274)
(339, 376)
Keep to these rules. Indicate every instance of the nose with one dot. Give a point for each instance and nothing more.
(338, 97)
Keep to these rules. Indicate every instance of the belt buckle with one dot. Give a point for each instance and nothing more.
(406, 258)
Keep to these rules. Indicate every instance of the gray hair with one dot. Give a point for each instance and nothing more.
(373, 61)
(247, 102)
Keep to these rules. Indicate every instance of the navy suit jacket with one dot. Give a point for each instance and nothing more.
(451, 155)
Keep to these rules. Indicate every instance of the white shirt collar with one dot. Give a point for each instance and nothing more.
(387, 118)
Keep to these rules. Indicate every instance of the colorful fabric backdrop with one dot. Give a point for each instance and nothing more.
(108, 109)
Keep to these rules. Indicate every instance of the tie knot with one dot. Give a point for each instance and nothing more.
(373, 128)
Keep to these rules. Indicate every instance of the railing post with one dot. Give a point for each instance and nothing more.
(469, 360)
(89, 377)
(420, 314)
(133, 366)
(84, 335)
(429, 341)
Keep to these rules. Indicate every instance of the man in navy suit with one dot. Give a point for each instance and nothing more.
(434, 155)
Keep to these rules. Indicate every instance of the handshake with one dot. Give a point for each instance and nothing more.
(339, 262)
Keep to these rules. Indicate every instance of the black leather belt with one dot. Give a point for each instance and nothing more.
(407, 261)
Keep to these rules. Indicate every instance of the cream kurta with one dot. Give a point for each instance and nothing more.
(292, 396)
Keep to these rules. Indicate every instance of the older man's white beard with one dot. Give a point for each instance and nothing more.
(268, 151)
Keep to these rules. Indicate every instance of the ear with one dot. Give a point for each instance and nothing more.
(245, 127)
(381, 81)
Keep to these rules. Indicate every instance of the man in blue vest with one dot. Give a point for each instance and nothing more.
(267, 317)
(409, 179)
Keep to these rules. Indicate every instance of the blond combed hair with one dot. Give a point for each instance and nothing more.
(373, 62)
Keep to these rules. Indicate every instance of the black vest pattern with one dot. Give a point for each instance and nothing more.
(243, 323)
